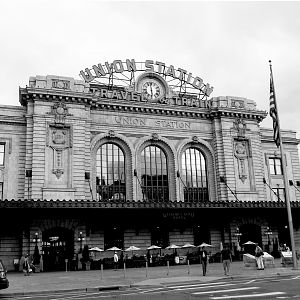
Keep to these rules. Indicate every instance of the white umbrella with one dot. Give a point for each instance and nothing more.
(153, 247)
(97, 249)
(188, 246)
(205, 245)
(173, 246)
(132, 248)
(249, 243)
(114, 249)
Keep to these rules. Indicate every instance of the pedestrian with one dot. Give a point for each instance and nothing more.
(226, 259)
(203, 260)
(259, 258)
(26, 265)
(116, 261)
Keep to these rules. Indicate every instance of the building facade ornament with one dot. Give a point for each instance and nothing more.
(240, 126)
(240, 152)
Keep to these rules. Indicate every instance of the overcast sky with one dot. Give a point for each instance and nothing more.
(228, 44)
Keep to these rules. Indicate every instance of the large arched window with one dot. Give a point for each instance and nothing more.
(110, 178)
(194, 175)
(154, 170)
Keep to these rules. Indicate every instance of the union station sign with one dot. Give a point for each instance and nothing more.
(147, 81)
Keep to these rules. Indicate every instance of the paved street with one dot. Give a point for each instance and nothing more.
(283, 287)
(178, 282)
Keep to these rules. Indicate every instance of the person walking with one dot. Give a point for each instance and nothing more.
(203, 260)
(116, 261)
(259, 258)
(26, 265)
(226, 259)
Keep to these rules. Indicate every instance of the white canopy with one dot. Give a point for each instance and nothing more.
(153, 247)
(188, 246)
(132, 248)
(249, 243)
(114, 249)
(173, 246)
(205, 245)
(97, 249)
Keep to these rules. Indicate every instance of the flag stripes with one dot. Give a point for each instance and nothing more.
(273, 112)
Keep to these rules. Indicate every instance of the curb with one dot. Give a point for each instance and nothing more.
(88, 289)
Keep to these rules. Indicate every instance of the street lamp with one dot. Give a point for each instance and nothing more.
(36, 239)
(268, 232)
(81, 239)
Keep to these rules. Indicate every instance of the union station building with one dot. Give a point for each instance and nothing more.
(148, 162)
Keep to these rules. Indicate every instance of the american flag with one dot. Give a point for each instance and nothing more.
(273, 112)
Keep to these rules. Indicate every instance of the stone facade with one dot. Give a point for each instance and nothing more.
(49, 171)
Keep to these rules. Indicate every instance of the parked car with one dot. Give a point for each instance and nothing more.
(3, 279)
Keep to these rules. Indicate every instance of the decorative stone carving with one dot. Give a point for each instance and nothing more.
(60, 111)
(240, 126)
(195, 139)
(155, 136)
(59, 139)
(240, 152)
(111, 134)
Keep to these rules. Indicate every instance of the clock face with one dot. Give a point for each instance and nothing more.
(152, 89)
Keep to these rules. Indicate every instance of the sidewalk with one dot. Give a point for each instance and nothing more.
(91, 280)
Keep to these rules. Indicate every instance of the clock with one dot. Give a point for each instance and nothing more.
(152, 89)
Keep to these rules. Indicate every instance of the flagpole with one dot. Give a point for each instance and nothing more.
(286, 186)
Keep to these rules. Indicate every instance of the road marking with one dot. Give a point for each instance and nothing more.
(204, 287)
(224, 291)
(198, 284)
(248, 282)
(249, 295)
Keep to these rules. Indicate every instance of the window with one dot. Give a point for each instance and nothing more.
(1, 190)
(113, 237)
(280, 194)
(110, 177)
(194, 175)
(160, 237)
(154, 170)
(275, 166)
(2, 152)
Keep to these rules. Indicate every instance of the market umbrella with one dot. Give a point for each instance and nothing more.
(249, 243)
(114, 249)
(153, 247)
(173, 246)
(205, 245)
(97, 249)
(188, 246)
(132, 248)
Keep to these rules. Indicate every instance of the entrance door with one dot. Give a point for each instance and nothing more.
(250, 232)
(58, 245)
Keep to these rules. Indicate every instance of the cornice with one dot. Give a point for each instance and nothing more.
(29, 94)
(75, 204)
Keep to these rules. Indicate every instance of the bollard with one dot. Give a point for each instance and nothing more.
(66, 261)
(168, 267)
(101, 266)
(188, 262)
(124, 270)
(146, 269)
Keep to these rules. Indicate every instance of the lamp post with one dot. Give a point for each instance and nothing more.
(36, 239)
(80, 239)
(268, 232)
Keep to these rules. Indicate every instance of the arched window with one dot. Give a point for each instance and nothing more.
(194, 175)
(154, 170)
(110, 177)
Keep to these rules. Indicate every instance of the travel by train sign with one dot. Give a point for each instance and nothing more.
(128, 74)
